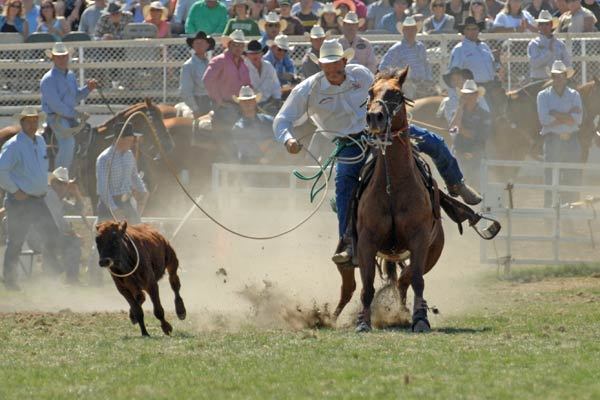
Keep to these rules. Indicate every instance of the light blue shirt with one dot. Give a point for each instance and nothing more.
(284, 66)
(476, 56)
(315, 8)
(190, 81)
(402, 54)
(24, 165)
(60, 95)
(124, 176)
(541, 58)
(389, 22)
(548, 100)
(32, 18)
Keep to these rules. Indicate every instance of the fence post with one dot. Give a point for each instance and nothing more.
(509, 66)
(555, 183)
(164, 57)
(583, 42)
(81, 71)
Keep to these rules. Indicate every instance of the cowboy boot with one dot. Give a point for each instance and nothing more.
(467, 193)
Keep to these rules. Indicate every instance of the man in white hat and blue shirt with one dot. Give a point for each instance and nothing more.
(336, 101)
(60, 95)
(560, 112)
(24, 178)
(545, 49)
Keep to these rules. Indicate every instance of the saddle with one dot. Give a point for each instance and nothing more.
(454, 209)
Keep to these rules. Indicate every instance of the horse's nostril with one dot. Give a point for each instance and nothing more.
(105, 262)
(379, 117)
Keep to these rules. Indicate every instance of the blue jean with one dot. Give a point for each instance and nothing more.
(347, 175)
(20, 216)
(66, 149)
(567, 151)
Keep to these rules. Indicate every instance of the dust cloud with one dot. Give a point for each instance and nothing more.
(229, 283)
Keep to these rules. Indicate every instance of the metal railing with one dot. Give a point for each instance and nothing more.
(130, 70)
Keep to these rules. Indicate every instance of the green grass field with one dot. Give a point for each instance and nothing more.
(529, 341)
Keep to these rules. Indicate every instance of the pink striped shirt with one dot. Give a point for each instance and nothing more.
(224, 79)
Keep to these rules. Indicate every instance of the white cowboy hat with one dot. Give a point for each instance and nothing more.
(332, 51)
(61, 174)
(58, 49)
(29, 111)
(328, 8)
(352, 18)
(246, 93)
(156, 5)
(559, 67)
(282, 42)
(316, 32)
(239, 3)
(272, 18)
(409, 22)
(471, 87)
(236, 36)
(546, 17)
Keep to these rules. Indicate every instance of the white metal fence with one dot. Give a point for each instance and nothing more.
(532, 234)
(130, 70)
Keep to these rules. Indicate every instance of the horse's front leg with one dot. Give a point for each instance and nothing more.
(367, 251)
(348, 287)
(418, 256)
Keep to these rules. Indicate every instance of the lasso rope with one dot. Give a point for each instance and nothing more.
(171, 170)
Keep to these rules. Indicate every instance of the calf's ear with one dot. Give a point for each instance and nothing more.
(123, 226)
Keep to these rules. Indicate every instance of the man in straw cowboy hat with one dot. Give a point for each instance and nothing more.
(111, 24)
(316, 36)
(208, 16)
(250, 133)
(263, 76)
(60, 95)
(278, 56)
(560, 112)
(157, 14)
(336, 101)
(364, 54)
(125, 181)
(226, 74)
(24, 178)
(271, 26)
(544, 49)
(191, 83)
(409, 52)
(241, 20)
(471, 127)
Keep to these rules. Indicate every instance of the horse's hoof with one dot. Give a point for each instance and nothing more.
(363, 327)
(167, 328)
(180, 309)
(421, 326)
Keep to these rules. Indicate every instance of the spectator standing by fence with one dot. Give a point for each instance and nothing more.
(316, 36)
(60, 95)
(545, 49)
(112, 23)
(90, 17)
(439, 21)
(364, 54)
(12, 19)
(226, 74)
(208, 16)
(560, 112)
(241, 20)
(271, 26)
(24, 178)
(191, 83)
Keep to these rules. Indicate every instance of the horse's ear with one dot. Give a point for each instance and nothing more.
(401, 75)
(148, 102)
(123, 226)
(97, 227)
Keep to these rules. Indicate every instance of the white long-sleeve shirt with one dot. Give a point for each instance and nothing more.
(337, 111)
(266, 82)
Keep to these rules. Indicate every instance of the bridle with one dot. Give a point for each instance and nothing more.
(380, 143)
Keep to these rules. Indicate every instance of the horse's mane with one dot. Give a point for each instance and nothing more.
(8, 132)
(588, 87)
(124, 114)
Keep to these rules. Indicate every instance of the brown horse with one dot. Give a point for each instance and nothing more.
(395, 212)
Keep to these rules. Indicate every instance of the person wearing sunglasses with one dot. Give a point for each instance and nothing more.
(278, 56)
(50, 23)
(12, 19)
(271, 26)
(439, 21)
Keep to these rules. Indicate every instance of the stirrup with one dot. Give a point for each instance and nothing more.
(490, 231)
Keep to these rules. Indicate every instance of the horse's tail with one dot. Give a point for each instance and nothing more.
(390, 270)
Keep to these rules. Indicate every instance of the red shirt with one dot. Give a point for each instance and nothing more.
(223, 78)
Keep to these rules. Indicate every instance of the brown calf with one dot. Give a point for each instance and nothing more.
(115, 242)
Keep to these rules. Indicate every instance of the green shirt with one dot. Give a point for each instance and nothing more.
(248, 26)
(208, 20)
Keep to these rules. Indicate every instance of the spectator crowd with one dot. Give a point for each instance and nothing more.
(248, 82)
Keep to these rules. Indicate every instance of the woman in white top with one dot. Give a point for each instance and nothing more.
(513, 18)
